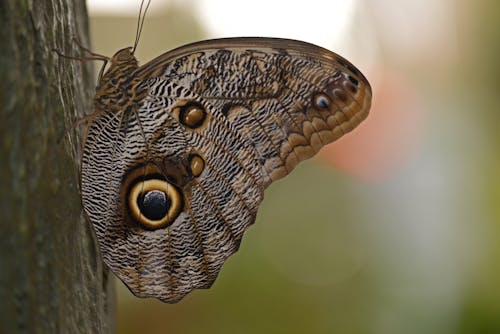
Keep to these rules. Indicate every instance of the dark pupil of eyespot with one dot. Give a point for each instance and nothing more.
(154, 204)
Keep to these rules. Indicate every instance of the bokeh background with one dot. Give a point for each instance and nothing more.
(395, 228)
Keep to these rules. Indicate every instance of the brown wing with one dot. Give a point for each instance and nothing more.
(172, 187)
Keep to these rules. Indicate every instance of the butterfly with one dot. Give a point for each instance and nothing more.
(179, 151)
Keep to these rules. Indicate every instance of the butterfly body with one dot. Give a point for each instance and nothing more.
(177, 159)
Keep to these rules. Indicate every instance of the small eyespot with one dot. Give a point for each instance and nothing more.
(192, 114)
(154, 203)
(321, 101)
(196, 165)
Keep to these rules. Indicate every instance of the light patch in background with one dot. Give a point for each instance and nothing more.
(418, 31)
(315, 21)
(123, 7)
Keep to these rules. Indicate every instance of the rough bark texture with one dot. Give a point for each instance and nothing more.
(51, 276)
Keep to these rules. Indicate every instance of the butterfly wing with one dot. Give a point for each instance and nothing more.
(219, 121)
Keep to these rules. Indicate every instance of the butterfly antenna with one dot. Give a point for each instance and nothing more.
(140, 23)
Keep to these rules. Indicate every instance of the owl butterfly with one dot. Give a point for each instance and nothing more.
(179, 151)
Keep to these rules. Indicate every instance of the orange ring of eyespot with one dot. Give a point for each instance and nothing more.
(154, 184)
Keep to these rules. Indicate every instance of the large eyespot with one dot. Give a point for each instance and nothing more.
(192, 114)
(154, 203)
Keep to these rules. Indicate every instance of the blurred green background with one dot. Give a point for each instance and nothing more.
(394, 228)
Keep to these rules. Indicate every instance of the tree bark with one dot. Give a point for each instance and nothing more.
(51, 277)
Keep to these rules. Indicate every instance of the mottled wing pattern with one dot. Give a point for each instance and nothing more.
(248, 110)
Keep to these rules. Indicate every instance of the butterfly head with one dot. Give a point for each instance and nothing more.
(124, 57)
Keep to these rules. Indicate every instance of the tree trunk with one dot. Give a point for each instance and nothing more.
(51, 277)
